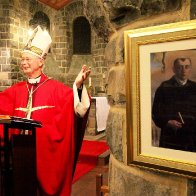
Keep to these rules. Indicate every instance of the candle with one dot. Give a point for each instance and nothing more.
(89, 81)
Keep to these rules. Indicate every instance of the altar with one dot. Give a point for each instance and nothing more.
(98, 114)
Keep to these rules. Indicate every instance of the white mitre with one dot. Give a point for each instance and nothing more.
(39, 43)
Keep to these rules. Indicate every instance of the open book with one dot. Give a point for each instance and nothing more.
(15, 119)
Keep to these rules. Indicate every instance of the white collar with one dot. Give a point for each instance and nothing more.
(181, 82)
(34, 80)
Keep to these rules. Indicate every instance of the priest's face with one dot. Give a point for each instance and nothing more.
(182, 68)
(31, 65)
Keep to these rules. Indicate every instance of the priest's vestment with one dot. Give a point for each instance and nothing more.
(53, 105)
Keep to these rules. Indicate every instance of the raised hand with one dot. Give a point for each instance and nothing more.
(83, 74)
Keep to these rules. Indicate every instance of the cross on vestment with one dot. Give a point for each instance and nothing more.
(29, 108)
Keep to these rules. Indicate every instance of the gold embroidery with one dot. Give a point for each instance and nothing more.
(33, 109)
(29, 109)
(35, 50)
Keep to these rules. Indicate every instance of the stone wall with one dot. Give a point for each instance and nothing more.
(95, 59)
(12, 38)
(15, 17)
(62, 48)
(4, 50)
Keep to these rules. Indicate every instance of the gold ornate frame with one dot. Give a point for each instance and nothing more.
(139, 44)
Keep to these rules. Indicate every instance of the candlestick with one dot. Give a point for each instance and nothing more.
(89, 81)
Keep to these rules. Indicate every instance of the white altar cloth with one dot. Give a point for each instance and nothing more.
(102, 111)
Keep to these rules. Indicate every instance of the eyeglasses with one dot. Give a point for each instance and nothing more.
(28, 60)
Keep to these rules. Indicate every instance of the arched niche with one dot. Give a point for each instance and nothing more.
(41, 19)
(81, 45)
(81, 36)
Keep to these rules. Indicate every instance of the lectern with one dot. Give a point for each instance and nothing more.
(18, 157)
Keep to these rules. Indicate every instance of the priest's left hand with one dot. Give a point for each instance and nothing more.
(83, 74)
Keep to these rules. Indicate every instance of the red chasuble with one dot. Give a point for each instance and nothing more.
(53, 105)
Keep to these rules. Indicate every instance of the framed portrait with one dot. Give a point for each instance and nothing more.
(161, 97)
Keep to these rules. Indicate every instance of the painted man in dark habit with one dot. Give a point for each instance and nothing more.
(174, 108)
